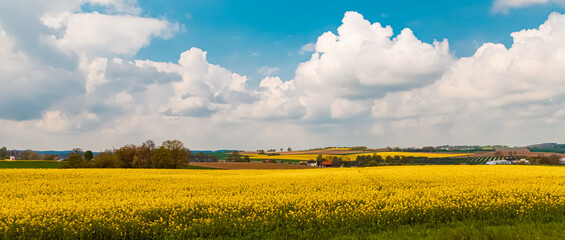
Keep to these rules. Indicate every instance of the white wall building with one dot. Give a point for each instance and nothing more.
(499, 162)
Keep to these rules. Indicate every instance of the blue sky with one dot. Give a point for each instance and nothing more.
(232, 31)
(270, 74)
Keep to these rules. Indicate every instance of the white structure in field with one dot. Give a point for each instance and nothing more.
(498, 162)
(12, 157)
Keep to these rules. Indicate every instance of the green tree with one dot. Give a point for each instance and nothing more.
(126, 155)
(106, 159)
(162, 158)
(428, 149)
(4, 153)
(377, 158)
(75, 160)
(179, 153)
(551, 160)
(337, 162)
(234, 157)
(78, 151)
(88, 155)
(319, 160)
(142, 158)
(388, 160)
(361, 160)
(29, 155)
(198, 157)
(246, 158)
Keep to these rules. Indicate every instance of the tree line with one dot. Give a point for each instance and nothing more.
(171, 154)
(378, 160)
(26, 155)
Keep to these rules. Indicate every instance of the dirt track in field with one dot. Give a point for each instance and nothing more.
(245, 165)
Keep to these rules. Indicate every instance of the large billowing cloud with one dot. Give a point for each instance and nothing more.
(505, 95)
(51, 50)
(363, 62)
(505, 5)
(26, 85)
(204, 89)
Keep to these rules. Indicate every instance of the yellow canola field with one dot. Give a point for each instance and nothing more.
(352, 157)
(147, 204)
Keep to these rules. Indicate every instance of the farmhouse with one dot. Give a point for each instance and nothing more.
(499, 162)
(521, 161)
(312, 163)
(326, 164)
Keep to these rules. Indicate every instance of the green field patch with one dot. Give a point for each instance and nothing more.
(199, 167)
(29, 164)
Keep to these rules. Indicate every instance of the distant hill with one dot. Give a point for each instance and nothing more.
(543, 145)
(548, 147)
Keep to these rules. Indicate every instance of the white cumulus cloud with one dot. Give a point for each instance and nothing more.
(96, 33)
(276, 100)
(499, 92)
(505, 5)
(364, 61)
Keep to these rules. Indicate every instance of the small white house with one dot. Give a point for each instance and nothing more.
(521, 161)
(499, 162)
(562, 160)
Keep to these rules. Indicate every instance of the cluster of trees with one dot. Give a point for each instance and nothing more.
(549, 160)
(78, 159)
(202, 157)
(336, 161)
(26, 155)
(376, 160)
(369, 160)
(235, 156)
(411, 149)
(364, 160)
(262, 151)
(358, 148)
(171, 154)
